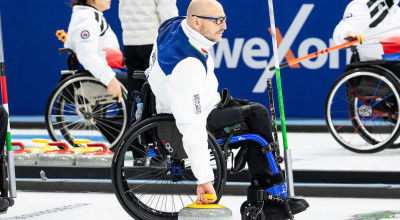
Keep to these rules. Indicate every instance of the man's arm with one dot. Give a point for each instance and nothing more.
(187, 106)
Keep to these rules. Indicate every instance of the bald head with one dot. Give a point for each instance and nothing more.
(202, 16)
(203, 8)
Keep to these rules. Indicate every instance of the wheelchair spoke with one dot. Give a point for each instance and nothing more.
(108, 121)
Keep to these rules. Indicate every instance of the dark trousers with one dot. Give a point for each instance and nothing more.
(3, 135)
(136, 58)
(258, 122)
(3, 127)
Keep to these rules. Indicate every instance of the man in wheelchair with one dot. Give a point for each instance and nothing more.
(181, 76)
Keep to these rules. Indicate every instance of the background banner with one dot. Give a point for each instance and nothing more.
(33, 65)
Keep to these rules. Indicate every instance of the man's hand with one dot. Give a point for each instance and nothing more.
(205, 188)
(114, 89)
(355, 35)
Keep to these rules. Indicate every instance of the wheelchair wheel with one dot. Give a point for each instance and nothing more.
(150, 183)
(361, 110)
(80, 108)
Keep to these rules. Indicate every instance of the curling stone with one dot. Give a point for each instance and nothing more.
(82, 146)
(95, 159)
(64, 157)
(41, 149)
(23, 157)
(206, 211)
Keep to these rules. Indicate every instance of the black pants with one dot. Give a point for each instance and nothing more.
(3, 135)
(3, 127)
(136, 58)
(258, 122)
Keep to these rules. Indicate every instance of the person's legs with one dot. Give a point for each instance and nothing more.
(3, 126)
(136, 58)
(261, 176)
(4, 202)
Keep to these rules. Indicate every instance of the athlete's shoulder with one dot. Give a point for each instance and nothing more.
(358, 4)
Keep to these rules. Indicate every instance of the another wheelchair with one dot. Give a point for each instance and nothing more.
(361, 109)
(152, 176)
(79, 107)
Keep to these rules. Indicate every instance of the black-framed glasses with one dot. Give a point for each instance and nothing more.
(217, 20)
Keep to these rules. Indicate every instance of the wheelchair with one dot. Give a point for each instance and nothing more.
(79, 107)
(361, 109)
(151, 173)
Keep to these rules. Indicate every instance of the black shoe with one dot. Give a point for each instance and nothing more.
(10, 201)
(299, 199)
(4, 204)
(277, 211)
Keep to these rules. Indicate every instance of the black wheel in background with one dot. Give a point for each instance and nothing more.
(80, 108)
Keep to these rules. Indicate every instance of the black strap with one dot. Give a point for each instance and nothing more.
(226, 150)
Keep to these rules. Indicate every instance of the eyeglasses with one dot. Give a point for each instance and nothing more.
(217, 20)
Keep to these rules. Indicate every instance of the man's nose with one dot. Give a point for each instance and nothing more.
(224, 25)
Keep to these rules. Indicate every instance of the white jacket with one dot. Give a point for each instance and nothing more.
(181, 75)
(140, 19)
(91, 38)
(371, 18)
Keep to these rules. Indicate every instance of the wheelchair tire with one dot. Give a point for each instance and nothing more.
(151, 189)
(80, 108)
(364, 119)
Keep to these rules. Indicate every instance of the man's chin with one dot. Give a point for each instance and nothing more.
(218, 38)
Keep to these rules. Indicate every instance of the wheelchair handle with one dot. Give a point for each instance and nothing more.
(61, 51)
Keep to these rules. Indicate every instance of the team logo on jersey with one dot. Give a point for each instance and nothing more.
(85, 34)
(348, 15)
(197, 105)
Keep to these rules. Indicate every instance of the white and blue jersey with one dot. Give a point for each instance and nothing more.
(181, 76)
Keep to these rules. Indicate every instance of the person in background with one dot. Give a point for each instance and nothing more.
(96, 45)
(5, 202)
(379, 19)
(140, 20)
(181, 76)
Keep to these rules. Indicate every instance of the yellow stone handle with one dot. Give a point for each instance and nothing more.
(206, 206)
(81, 141)
(210, 196)
(44, 141)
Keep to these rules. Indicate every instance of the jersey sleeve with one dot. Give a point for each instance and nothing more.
(189, 78)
